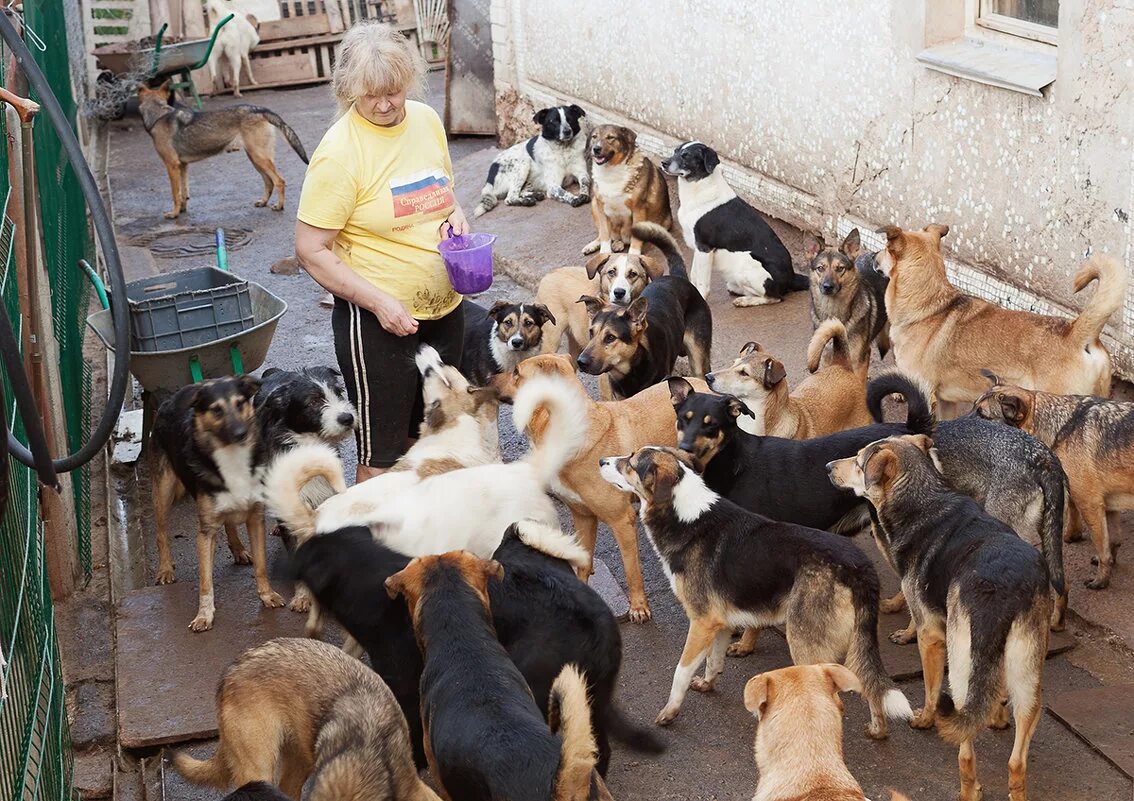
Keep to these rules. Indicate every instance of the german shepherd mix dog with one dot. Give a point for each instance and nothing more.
(618, 278)
(300, 709)
(725, 232)
(977, 592)
(544, 616)
(730, 567)
(945, 337)
(182, 136)
(498, 339)
(628, 189)
(799, 740)
(832, 398)
(637, 345)
(206, 444)
(1094, 440)
(485, 736)
(256, 791)
(846, 286)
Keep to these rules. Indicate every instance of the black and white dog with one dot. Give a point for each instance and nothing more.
(308, 405)
(726, 232)
(529, 171)
(498, 339)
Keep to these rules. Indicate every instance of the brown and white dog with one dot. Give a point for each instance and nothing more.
(945, 337)
(615, 427)
(626, 188)
(832, 399)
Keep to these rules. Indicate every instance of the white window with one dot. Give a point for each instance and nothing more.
(1031, 19)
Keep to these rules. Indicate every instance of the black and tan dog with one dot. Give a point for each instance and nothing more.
(730, 567)
(977, 592)
(206, 443)
(485, 736)
(498, 339)
(628, 188)
(1094, 440)
(301, 709)
(636, 346)
(845, 286)
(182, 136)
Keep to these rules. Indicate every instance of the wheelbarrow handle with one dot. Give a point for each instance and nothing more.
(100, 288)
(222, 251)
(25, 107)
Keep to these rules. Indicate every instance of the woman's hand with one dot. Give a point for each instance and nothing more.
(393, 315)
(459, 222)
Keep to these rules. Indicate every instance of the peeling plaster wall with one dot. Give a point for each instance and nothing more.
(825, 119)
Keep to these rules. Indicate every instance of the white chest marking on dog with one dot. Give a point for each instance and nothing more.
(241, 489)
(691, 498)
(611, 180)
(698, 198)
(506, 359)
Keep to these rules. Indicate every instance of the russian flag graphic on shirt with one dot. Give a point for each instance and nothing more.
(421, 193)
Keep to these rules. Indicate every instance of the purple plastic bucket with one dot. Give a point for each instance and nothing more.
(468, 260)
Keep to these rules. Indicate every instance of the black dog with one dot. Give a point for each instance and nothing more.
(637, 345)
(498, 339)
(544, 616)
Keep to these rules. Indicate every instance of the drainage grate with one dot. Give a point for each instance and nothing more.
(189, 242)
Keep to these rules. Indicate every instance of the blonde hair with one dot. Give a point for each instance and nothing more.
(375, 59)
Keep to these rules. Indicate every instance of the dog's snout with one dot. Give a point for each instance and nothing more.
(237, 432)
(619, 293)
(709, 378)
(597, 150)
(516, 342)
(346, 420)
(584, 361)
(828, 288)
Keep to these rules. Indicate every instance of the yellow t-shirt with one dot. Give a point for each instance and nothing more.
(386, 190)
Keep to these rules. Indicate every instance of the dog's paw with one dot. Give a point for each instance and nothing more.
(202, 622)
(166, 576)
(580, 200)
(172, 215)
(739, 650)
(640, 613)
(617, 246)
(1098, 582)
(537, 195)
(904, 636)
(260, 204)
(703, 685)
(591, 247)
(877, 731)
(242, 557)
(300, 603)
(891, 606)
(523, 200)
(666, 716)
(272, 600)
(923, 719)
(277, 206)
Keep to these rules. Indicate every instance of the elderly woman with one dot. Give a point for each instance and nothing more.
(377, 199)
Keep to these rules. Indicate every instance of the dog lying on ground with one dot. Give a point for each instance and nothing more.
(498, 339)
(302, 709)
(730, 567)
(538, 167)
(976, 592)
(234, 43)
(832, 399)
(799, 740)
(544, 616)
(615, 427)
(944, 337)
(1094, 440)
(485, 736)
(725, 232)
(628, 189)
(182, 136)
(844, 285)
(637, 345)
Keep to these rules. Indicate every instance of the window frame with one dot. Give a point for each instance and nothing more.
(1016, 27)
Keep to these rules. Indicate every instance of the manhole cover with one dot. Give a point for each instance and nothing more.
(185, 242)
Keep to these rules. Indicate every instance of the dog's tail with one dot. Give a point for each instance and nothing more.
(564, 428)
(833, 331)
(919, 414)
(212, 772)
(635, 737)
(488, 198)
(1106, 301)
(1053, 521)
(550, 541)
(799, 283)
(663, 240)
(865, 661)
(298, 482)
(290, 135)
(569, 715)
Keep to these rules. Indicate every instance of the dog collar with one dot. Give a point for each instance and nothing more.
(149, 126)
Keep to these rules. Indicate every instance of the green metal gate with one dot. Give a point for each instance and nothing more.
(35, 752)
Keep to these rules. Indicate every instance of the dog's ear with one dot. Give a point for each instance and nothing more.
(253, 21)
(596, 262)
(492, 569)
(540, 116)
(593, 304)
(396, 584)
(881, 467)
(920, 441)
(814, 245)
(842, 680)
(991, 376)
(757, 694)
(631, 137)
(737, 407)
(748, 347)
(541, 314)
(852, 245)
(654, 268)
(497, 310)
(637, 311)
(937, 229)
(679, 390)
(661, 491)
(774, 373)
(249, 385)
(270, 372)
(576, 110)
(895, 238)
(710, 159)
(1012, 407)
(486, 394)
(434, 414)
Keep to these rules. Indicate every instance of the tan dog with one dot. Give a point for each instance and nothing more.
(799, 742)
(832, 399)
(945, 337)
(1092, 438)
(627, 188)
(302, 708)
(616, 427)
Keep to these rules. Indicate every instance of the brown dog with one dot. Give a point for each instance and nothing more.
(182, 136)
(616, 427)
(845, 285)
(302, 708)
(627, 188)
(832, 399)
(945, 337)
(1094, 440)
(799, 742)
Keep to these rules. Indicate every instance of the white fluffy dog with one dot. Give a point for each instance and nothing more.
(234, 43)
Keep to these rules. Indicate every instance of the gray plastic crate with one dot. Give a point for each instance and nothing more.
(187, 309)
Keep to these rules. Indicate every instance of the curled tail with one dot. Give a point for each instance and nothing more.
(663, 240)
(488, 199)
(298, 482)
(833, 331)
(1107, 298)
(212, 771)
(290, 135)
(569, 716)
(919, 415)
(865, 661)
(564, 429)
